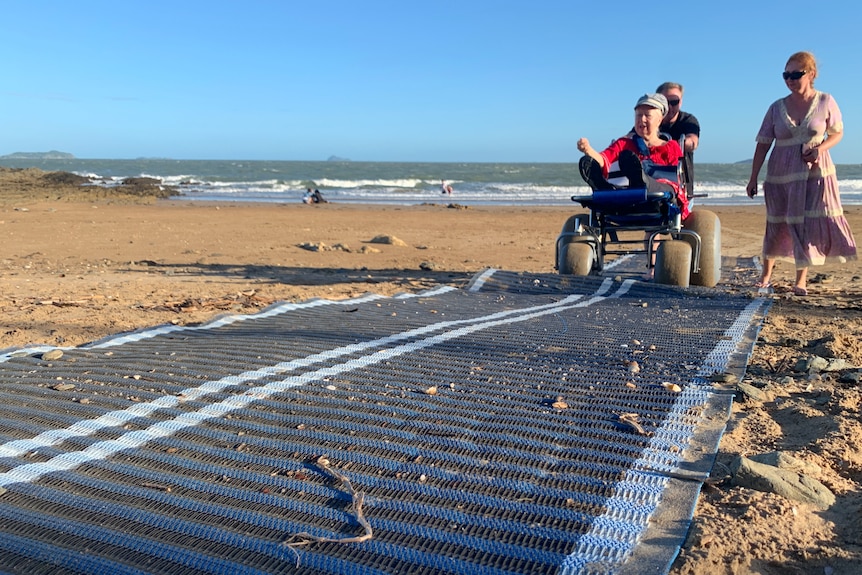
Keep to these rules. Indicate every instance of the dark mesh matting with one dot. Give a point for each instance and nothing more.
(192, 450)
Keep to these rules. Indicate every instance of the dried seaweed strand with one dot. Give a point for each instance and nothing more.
(357, 499)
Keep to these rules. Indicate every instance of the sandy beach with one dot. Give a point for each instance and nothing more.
(81, 265)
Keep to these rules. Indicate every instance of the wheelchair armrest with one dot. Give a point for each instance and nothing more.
(612, 197)
(619, 198)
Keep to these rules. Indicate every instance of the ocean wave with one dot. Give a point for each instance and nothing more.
(488, 194)
(384, 183)
(404, 183)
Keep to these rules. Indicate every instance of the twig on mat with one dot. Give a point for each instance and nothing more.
(632, 421)
(357, 499)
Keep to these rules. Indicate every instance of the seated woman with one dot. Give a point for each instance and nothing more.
(594, 166)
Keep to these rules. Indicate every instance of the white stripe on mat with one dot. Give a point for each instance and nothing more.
(101, 450)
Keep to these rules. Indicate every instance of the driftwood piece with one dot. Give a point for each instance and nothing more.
(632, 421)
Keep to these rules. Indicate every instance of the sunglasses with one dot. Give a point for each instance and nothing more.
(673, 102)
(792, 75)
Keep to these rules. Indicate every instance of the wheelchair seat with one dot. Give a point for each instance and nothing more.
(631, 206)
(622, 205)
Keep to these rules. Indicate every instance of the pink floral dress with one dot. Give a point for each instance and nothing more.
(805, 222)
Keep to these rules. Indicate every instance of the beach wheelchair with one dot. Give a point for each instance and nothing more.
(692, 255)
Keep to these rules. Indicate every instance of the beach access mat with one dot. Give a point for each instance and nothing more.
(524, 424)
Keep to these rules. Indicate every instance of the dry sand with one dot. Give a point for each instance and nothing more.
(78, 266)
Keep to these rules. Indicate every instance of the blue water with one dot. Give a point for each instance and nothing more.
(398, 183)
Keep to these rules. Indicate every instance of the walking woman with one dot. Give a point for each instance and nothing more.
(805, 222)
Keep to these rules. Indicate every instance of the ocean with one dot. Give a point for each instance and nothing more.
(510, 184)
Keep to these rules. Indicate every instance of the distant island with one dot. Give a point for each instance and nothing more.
(52, 155)
(337, 159)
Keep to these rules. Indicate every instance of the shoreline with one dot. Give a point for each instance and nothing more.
(567, 203)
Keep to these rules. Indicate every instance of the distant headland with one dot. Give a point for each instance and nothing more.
(337, 159)
(52, 155)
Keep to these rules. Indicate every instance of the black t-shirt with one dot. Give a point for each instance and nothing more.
(685, 124)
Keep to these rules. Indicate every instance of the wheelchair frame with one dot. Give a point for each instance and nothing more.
(655, 214)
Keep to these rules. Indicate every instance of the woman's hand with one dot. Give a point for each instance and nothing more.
(751, 188)
(584, 146)
(811, 155)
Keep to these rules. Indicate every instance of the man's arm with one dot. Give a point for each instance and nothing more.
(691, 128)
(691, 142)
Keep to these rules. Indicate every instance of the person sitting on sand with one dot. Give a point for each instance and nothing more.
(307, 197)
(317, 197)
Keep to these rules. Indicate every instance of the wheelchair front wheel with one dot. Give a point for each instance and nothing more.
(576, 258)
(673, 263)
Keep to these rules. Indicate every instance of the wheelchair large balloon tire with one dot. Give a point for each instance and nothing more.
(673, 263)
(576, 258)
(708, 227)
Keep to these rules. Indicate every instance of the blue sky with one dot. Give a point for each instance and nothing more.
(471, 81)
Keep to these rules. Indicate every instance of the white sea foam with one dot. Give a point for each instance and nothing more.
(484, 193)
(403, 183)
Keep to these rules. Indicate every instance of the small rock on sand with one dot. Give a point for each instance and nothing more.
(387, 239)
